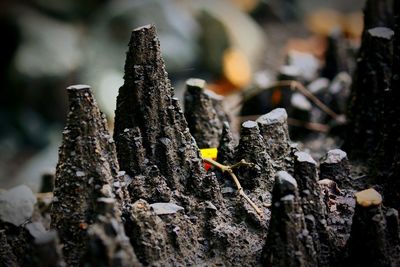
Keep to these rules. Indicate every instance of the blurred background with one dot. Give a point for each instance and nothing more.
(240, 47)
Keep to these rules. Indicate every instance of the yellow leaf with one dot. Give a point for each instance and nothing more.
(209, 153)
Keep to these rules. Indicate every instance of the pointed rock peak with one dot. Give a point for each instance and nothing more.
(227, 145)
(145, 102)
(203, 113)
(83, 108)
(86, 170)
(144, 47)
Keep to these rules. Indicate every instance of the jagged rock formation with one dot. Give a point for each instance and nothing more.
(161, 208)
(108, 245)
(204, 113)
(370, 242)
(252, 148)
(274, 130)
(305, 172)
(156, 148)
(288, 242)
(373, 128)
(227, 145)
(335, 166)
(87, 170)
(372, 78)
(147, 110)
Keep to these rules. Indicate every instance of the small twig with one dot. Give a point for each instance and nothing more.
(295, 85)
(241, 164)
(229, 170)
(300, 87)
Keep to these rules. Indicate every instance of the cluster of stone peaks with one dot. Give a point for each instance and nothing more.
(143, 197)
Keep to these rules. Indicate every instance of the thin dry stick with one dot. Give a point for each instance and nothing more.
(295, 85)
(229, 169)
(300, 87)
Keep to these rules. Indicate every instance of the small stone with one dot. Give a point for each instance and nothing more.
(210, 206)
(381, 32)
(249, 124)
(79, 87)
(80, 174)
(17, 204)
(368, 197)
(334, 156)
(277, 115)
(163, 208)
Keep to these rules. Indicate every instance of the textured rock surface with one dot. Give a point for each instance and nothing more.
(373, 111)
(372, 78)
(288, 242)
(7, 256)
(108, 245)
(369, 233)
(204, 113)
(252, 149)
(305, 172)
(227, 146)
(274, 129)
(335, 166)
(156, 148)
(17, 245)
(145, 103)
(87, 170)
